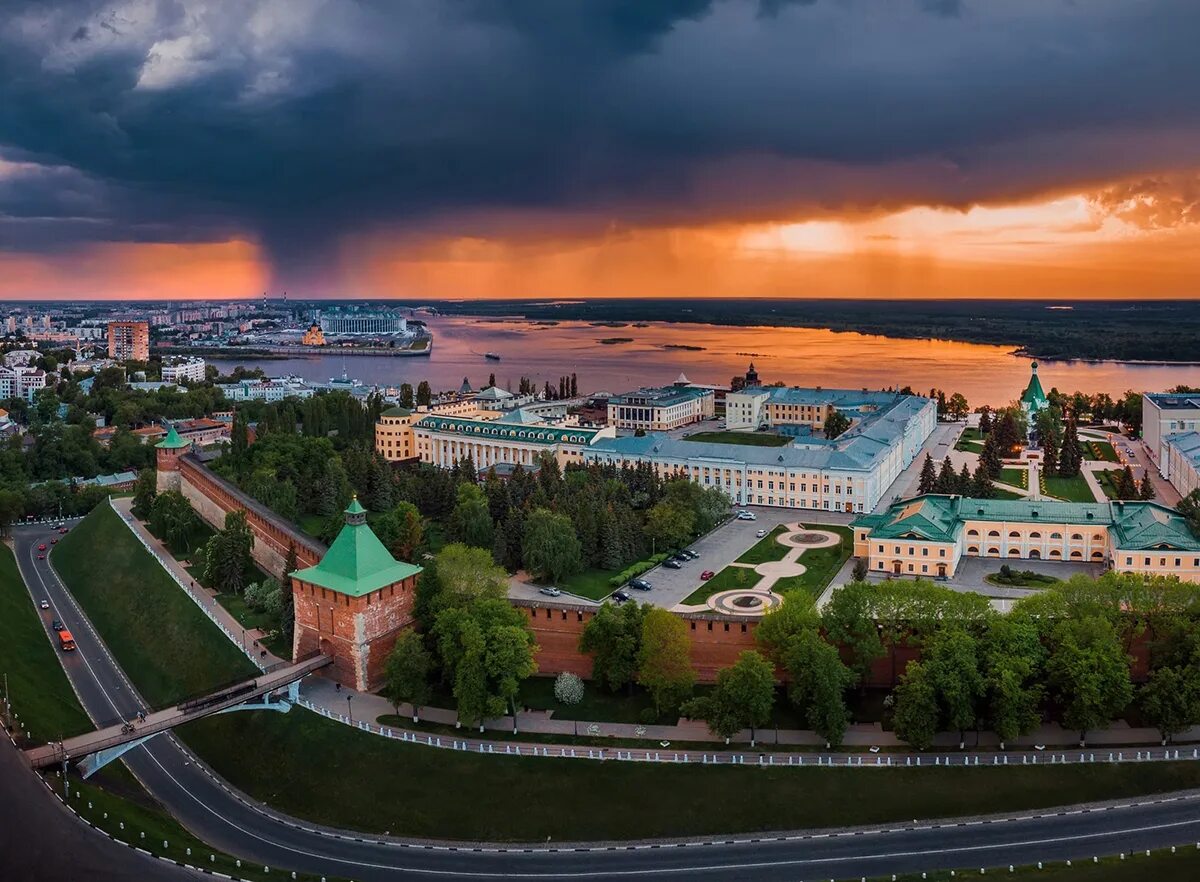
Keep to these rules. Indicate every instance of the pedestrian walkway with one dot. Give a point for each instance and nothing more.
(324, 695)
(206, 598)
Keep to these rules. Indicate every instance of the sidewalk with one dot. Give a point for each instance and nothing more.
(203, 596)
(367, 707)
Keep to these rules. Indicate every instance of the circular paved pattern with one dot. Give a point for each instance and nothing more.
(743, 603)
(809, 539)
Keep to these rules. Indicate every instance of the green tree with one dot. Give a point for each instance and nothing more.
(173, 520)
(613, 637)
(550, 548)
(1170, 700)
(462, 575)
(1146, 488)
(664, 660)
(406, 395)
(951, 665)
(916, 708)
(424, 394)
(928, 477)
(669, 525)
(470, 521)
(144, 492)
(401, 530)
(406, 675)
(1088, 673)
(947, 479)
(742, 698)
(818, 681)
(957, 406)
(849, 620)
(1013, 659)
(835, 424)
(227, 554)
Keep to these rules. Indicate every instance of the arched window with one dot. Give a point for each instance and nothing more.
(995, 533)
(1035, 535)
(1076, 537)
(1077, 555)
(972, 532)
(994, 552)
(973, 549)
(1013, 534)
(1056, 535)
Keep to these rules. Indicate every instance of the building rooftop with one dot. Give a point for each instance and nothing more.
(1033, 393)
(171, 442)
(939, 518)
(514, 430)
(1174, 400)
(357, 562)
(660, 396)
(1188, 445)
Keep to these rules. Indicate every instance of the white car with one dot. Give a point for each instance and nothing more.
(747, 516)
(761, 533)
(45, 604)
(550, 591)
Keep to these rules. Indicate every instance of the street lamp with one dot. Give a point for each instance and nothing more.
(349, 709)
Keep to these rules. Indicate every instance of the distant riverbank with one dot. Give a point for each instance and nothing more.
(659, 352)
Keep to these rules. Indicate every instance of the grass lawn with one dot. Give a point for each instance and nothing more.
(311, 524)
(109, 811)
(1001, 493)
(821, 564)
(591, 583)
(1074, 489)
(167, 646)
(1108, 482)
(37, 686)
(767, 548)
(729, 578)
(970, 440)
(537, 693)
(752, 439)
(251, 619)
(370, 783)
(1100, 450)
(1014, 477)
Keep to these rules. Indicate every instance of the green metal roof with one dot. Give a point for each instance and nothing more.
(534, 434)
(396, 412)
(1144, 526)
(1033, 393)
(937, 518)
(172, 441)
(357, 562)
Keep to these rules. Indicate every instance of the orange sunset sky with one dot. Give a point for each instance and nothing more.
(692, 148)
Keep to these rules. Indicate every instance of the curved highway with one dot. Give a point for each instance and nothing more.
(232, 823)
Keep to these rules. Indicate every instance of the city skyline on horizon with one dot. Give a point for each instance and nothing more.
(703, 148)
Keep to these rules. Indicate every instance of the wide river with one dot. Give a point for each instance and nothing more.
(647, 355)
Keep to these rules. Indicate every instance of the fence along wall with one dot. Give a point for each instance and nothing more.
(213, 497)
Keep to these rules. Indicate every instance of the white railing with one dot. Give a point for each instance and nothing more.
(796, 759)
(204, 602)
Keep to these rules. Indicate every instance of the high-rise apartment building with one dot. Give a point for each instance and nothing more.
(129, 340)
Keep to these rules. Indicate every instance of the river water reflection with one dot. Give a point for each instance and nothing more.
(654, 354)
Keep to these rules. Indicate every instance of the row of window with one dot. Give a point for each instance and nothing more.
(1015, 534)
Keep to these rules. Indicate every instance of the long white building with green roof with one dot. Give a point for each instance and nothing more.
(927, 536)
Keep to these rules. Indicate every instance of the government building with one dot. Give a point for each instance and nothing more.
(851, 473)
(927, 536)
(1171, 432)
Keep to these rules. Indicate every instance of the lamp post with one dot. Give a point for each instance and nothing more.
(349, 709)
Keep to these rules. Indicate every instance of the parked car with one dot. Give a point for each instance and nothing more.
(747, 516)
(57, 625)
(679, 557)
(707, 574)
(672, 564)
(45, 604)
(549, 591)
(690, 555)
(62, 530)
(761, 533)
(640, 584)
(620, 596)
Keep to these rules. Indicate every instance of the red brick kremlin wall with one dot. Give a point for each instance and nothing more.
(213, 497)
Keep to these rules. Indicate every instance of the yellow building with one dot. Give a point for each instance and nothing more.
(928, 535)
(394, 439)
(314, 336)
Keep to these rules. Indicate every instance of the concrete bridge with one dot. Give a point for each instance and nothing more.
(96, 749)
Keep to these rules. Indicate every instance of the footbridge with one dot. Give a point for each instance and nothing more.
(274, 690)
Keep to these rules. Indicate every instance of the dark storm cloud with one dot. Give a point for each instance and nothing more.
(297, 121)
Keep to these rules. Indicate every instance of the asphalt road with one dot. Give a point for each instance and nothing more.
(233, 824)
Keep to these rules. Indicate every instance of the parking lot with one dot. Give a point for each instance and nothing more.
(717, 550)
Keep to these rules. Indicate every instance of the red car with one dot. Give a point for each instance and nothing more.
(63, 530)
(54, 541)
(42, 547)
(706, 575)
(41, 557)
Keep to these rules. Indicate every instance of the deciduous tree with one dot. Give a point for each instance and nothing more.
(664, 660)
(550, 548)
(742, 698)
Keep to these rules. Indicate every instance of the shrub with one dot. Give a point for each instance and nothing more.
(635, 570)
(568, 688)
